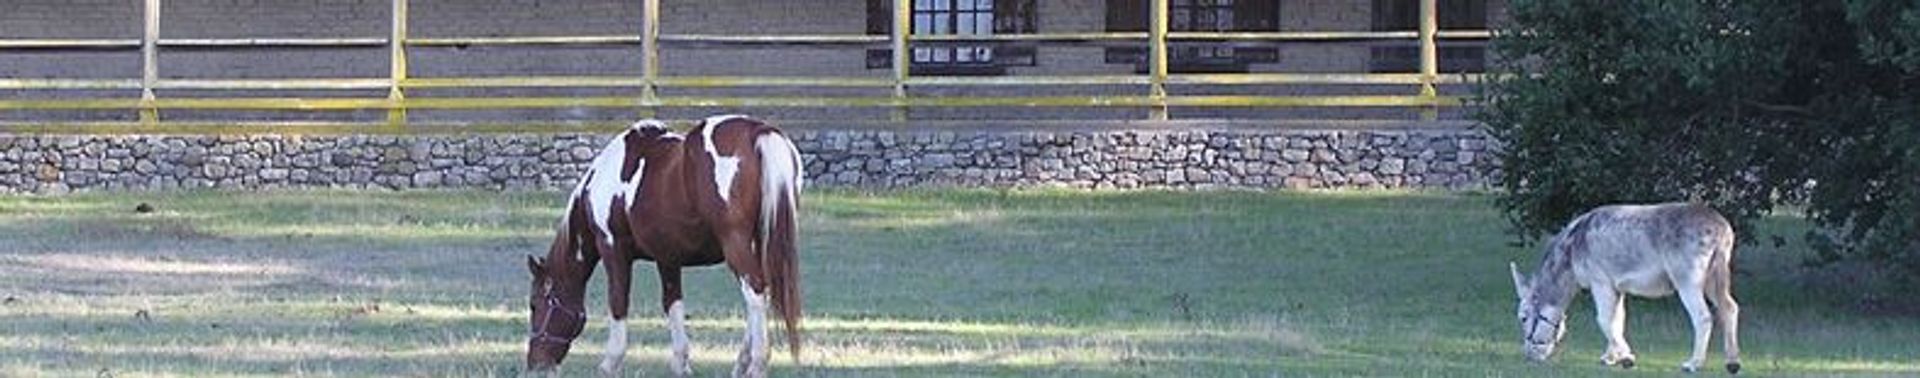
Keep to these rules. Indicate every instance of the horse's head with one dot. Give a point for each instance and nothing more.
(1542, 321)
(558, 314)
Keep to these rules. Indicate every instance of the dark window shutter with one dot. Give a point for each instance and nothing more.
(1127, 16)
(1257, 16)
(1014, 17)
(1404, 15)
(879, 22)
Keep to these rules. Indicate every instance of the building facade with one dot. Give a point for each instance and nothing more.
(191, 19)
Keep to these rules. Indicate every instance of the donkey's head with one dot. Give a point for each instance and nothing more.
(558, 312)
(1542, 319)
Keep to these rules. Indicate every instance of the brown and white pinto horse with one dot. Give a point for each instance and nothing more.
(727, 191)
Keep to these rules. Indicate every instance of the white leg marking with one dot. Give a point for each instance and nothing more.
(753, 358)
(616, 354)
(677, 328)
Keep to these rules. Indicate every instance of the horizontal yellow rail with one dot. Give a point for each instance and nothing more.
(273, 42)
(67, 43)
(770, 101)
(731, 81)
(554, 40)
(739, 39)
(361, 83)
(69, 83)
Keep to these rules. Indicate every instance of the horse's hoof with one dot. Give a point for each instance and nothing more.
(1689, 369)
(1626, 363)
(1733, 368)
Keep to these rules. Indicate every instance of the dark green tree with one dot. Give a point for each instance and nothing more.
(1745, 104)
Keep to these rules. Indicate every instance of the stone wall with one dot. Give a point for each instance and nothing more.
(1449, 159)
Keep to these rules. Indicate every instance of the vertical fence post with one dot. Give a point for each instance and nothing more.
(1429, 58)
(397, 65)
(149, 62)
(649, 58)
(902, 57)
(1157, 59)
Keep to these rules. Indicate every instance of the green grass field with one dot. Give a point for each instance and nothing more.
(935, 283)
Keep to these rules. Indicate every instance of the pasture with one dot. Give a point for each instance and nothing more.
(897, 283)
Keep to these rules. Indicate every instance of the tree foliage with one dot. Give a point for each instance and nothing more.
(1745, 104)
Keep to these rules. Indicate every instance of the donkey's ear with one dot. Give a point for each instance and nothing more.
(1519, 281)
(533, 265)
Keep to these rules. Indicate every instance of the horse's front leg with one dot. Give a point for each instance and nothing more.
(681, 361)
(1695, 301)
(1610, 311)
(619, 279)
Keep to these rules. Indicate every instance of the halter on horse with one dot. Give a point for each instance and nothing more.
(727, 191)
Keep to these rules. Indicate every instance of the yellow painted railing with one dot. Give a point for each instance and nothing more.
(1156, 97)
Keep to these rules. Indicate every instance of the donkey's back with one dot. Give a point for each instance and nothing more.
(1647, 249)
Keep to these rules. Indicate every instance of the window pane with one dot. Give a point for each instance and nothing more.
(940, 5)
(922, 24)
(966, 23)
(964, 54)
(986, 54)
(983, 4)
(921, 54)
(924, 4)
(941, 25)
(984, 23)
(942, 55)
(965, 5)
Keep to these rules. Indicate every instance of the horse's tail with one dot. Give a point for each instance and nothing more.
(780, 183)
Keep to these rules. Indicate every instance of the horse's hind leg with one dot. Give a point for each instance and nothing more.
(1727, 312)
(753, 357)
(676, 320)
(1693, 297)
(753, 288)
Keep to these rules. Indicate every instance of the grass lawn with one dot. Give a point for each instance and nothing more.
(937, 283)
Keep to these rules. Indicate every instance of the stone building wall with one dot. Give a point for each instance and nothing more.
(1446, 159)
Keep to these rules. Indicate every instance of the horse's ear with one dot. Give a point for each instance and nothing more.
(533, 265)
(1519, 281)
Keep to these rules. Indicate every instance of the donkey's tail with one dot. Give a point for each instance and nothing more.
(780, 183)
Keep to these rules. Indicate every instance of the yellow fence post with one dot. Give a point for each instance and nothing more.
(649, 58)
(1157, 62)
(397, 65)
(149, 63)
(1429, 58)
(902, 57)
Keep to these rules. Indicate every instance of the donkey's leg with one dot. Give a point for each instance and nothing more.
(1727, 313)
(1694, 299)
(619, 279)
(676, 320)
(1611, 312)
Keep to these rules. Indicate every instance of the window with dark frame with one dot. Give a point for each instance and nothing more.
(962, 17)
(1198, 16)
(1404, 56)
